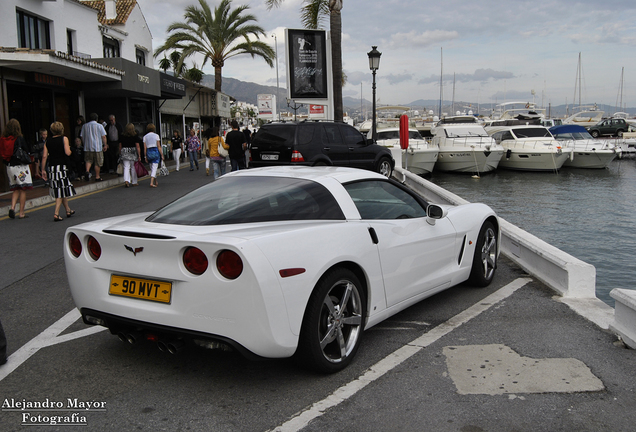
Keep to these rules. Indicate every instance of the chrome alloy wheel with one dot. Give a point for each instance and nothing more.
(489, 253)
(340, 321)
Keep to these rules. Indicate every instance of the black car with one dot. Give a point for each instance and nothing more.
(318, 143)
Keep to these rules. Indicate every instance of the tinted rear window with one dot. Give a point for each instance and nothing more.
(275, 134)
(233, 200)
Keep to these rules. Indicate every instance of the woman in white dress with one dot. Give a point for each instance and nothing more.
(152, 152)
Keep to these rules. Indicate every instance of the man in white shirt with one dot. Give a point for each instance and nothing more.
(94, 136)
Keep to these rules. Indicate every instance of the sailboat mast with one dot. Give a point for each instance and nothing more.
(620, 91)
(441, 82)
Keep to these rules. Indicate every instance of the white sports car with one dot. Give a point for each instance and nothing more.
(276, 261)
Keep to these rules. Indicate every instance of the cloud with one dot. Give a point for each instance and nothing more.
(480, 75)
(396, 79)
(425, 39)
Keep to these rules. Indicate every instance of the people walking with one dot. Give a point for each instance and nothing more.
(218, 161)
(236, 140)
(17, 166)
(194, 144)
(113, 135)
(130, 152)
(176, 146)
(152, 152)
(94, 136)
(38, 150)
(57, 151)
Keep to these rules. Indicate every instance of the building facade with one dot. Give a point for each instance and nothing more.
(61, 59)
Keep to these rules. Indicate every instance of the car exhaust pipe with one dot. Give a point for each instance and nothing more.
(171, 347)
(132, 337)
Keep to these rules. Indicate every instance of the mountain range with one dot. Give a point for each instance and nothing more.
(247, 92)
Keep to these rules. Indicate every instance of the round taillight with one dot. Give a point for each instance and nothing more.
(94, 249)
(195, 261)
(230, 265)
(75, 245)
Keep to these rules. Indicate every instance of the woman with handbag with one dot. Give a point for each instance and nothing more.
(129, 151)
(57, 151)
(176, 145)
(152, 153)
(17, 167)
(218, 153)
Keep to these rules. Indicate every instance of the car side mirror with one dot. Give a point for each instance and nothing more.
(434, 212)
(370, 141)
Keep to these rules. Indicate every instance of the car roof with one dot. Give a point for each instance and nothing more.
(321, 174)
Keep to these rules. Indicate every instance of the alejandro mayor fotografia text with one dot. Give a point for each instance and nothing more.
(31, 411)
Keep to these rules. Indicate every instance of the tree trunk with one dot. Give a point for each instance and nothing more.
(335, 23)
(218, 80)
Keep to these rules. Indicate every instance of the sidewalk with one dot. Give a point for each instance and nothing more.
(39, 195)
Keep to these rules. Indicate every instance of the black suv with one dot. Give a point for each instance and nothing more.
(318, 143)
(611, 127)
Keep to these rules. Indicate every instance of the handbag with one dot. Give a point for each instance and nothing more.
(140, 169)
(20, 153)
(120, 167)
(163, 171)
(222, 151)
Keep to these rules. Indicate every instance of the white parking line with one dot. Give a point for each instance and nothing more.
(47, 338)
(376, 371)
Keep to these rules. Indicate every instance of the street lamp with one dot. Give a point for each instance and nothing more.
(276, 45)
(374, 65)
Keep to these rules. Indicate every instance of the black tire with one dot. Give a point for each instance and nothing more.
(485, 259)
(384, 167)
(619, 134)
(595, 134)
(333, 323)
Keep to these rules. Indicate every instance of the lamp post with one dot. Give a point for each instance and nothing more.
(374, 65)
(276, 50)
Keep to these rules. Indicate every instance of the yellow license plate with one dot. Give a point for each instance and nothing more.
(140, 288)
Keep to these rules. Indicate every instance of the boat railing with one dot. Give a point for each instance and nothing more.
(588, 145)
(476, 141)
(531, 144)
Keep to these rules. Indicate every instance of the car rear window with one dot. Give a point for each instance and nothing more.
(234, 200)
(275, 135)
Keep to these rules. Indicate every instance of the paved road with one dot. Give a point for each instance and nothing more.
(431, 367)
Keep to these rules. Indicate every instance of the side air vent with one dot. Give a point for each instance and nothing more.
(461, 252)
(138, 235)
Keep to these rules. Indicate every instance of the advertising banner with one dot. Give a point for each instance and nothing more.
(266, 104)
(307, 64)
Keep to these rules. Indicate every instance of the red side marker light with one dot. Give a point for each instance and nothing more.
(291, 272)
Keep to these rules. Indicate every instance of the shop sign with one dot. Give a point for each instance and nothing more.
(41, 78)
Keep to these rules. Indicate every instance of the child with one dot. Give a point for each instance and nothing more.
(77, 158)
(38, 150)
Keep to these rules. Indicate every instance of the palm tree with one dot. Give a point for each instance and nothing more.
(165, 64)
(312, 14)
(217, 35)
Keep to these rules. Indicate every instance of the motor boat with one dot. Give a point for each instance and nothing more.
(464, 146)
(586, 116)
(588, 152)
(421, 155)
(529, 148)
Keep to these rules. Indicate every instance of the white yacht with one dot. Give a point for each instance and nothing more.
(529, 148)
(588, 152)
(464, 146)
(421, 155)
(586, 116)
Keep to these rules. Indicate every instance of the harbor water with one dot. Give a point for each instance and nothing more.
(590, 214)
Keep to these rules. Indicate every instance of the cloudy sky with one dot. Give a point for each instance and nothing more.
(497, 50)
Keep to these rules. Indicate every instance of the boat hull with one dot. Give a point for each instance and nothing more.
(591, 159)
(534, 160)
(419, 161)
(468, 160)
